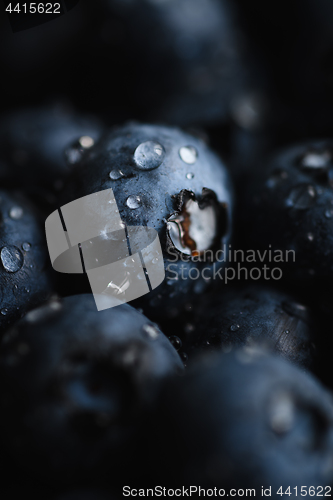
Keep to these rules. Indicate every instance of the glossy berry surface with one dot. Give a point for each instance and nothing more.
(77, 382)
(168, 180)
(245, 420)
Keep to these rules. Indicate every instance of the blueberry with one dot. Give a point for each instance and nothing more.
(32, 144)
(76, 383)
(168, 180)
(25, 270)
(253, 315)
(244, 420)
(286, 206)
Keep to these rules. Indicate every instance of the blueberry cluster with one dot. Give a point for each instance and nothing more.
(211, 123)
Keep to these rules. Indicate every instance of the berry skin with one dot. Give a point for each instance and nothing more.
(168, 180)
(188, 58)
(255, 316)
(32, 143)
(25, 272)
(77, 382)
(244, 420)
(288, 204)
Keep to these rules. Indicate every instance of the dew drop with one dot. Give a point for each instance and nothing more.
(190, 175)
(26, 246)
(310, 236)
(188, 154)
(302, 196)
(16, 213)
(133, 202)
(11, 258)
(149, 155)
(4, 312)
(234, 328)
(116, 174)
(176, 342)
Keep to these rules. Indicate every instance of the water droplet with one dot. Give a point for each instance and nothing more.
(329, 213)
(234, 328)
(188, 154)
(11, 258)
(26, 246)
(86, 142)
(4, 312)
(15, 213)
(287, 332)
(316, 160)
(133, 202)
(151, 331)
(176, 342)
(154, 261)
(302, 196)
(310, 236)
(190, 175)
(116, 174)
(149, 155)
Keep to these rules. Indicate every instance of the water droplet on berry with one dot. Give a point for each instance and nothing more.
(149, 155)
(176, 342)
(11, 258)
(151, 331)
(86, 142)
(234, 328)
(188, 154)
(15, 213)
(190, 175)
(133, 202)
(316, 160)
(310, 236)
(26, 246)
(116, 174)
(302, 196)
(4, 311)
